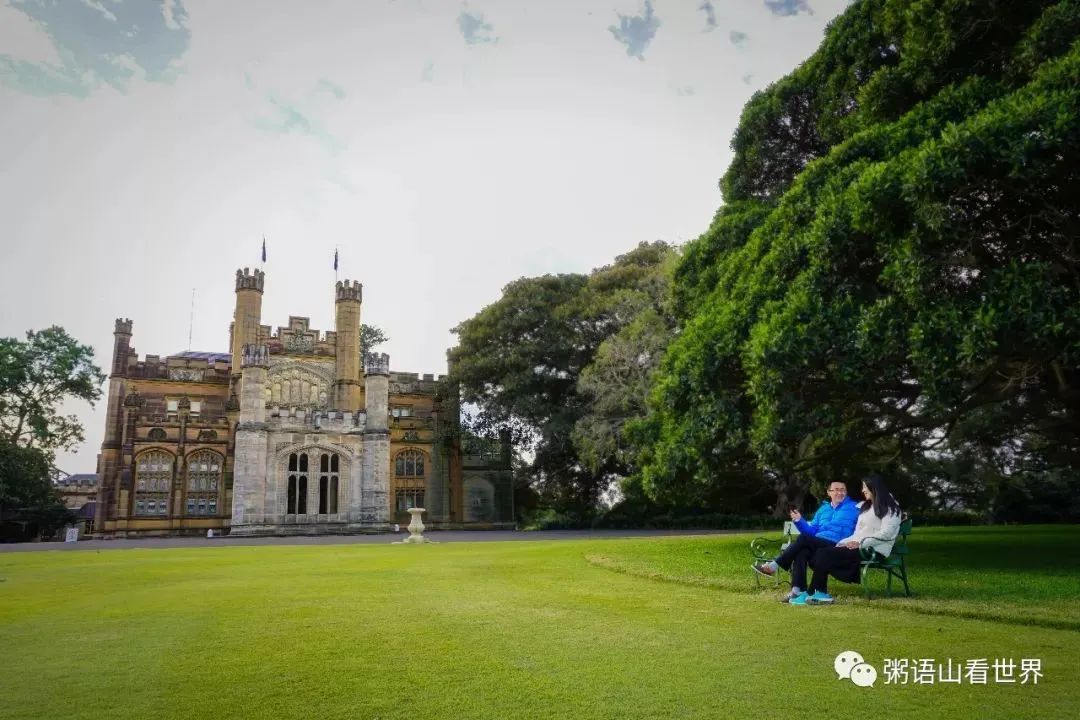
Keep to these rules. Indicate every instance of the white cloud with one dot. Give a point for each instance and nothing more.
(100, 8)
(25, 39)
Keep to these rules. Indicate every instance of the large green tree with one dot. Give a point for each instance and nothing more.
(553, 360)
(36, 376)
(896, 259)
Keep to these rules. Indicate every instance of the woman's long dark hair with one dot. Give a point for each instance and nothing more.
(883, 502)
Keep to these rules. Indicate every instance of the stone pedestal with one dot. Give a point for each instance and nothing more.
(416, 529)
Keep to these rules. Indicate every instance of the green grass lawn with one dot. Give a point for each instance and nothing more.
(642, 628)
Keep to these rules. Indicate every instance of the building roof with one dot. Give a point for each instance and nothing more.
(210, 357)
(78, 479)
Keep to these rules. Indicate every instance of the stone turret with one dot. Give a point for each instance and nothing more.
(376, 459)
(377, 390)
(348, 299)
(121, 345)
(254, 361)
(247, 315)
(252, 484)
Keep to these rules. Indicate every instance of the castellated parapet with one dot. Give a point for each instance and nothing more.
(349, 290)
(123, 326)
(247, 280)
(300, 419)
(377, 364)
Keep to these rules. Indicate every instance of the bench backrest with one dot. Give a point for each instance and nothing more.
(900, 546)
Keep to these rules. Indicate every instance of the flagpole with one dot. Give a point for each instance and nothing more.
(191, 320)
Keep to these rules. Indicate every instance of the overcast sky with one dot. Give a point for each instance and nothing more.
(445, 148)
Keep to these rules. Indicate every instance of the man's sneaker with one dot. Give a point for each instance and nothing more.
(764, 568)
(787, 598)
(820, 598)
(799, 599)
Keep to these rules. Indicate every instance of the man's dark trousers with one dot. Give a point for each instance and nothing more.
(797, 556)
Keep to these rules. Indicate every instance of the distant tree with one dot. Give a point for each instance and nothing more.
(544, 362)
(632, 298)
(28, 500)
(36, 376)
(370, 338)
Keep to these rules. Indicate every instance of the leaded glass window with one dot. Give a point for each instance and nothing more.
(153, 483)
(203, 482)
(409, 463)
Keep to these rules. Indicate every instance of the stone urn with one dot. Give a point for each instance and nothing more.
(416, 528)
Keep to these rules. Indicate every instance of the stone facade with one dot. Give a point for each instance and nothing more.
(290, 432)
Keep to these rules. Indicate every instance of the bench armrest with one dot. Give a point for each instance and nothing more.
(865, 551)
(763, 548)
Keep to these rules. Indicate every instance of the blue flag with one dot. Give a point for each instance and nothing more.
(264, 249)
(335, 259)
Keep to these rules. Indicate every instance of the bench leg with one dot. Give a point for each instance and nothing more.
(864, 575)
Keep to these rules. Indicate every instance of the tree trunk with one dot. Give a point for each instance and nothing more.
(790, 490)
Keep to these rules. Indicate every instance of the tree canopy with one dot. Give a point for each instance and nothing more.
(563, 361)
(370, 338)
(895, 270)
(36, 376)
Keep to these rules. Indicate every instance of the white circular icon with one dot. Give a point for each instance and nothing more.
(844, 662)
(864, 675)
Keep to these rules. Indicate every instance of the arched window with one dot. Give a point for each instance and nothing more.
(328, 483)
(298, 483)
(203, 483)
(409, 463)
(153, 483)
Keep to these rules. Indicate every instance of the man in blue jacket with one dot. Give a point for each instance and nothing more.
(832, 522)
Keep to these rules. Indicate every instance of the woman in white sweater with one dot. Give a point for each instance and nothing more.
(877, 528)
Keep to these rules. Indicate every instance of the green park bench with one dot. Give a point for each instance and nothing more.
(764, 549)
(894, 565)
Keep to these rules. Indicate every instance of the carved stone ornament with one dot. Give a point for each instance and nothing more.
(207, 435)
(411, 436)
(299, 343)
(156, 434)
(186, 374)
(401, 388)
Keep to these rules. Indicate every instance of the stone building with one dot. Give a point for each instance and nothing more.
(290, 432)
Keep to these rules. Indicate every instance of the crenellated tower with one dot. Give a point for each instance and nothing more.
(121, 345)
(347, 383)
(246, 317)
